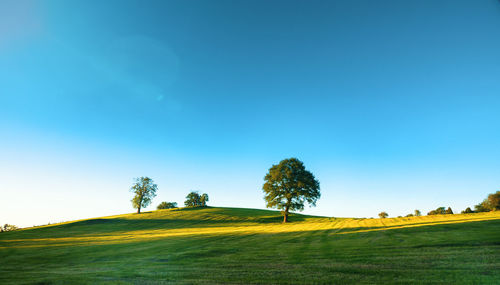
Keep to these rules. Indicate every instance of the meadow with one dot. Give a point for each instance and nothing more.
(244, 246)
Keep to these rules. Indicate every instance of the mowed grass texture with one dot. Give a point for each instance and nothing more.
(242, 246)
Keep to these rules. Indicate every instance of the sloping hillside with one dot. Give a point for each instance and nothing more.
(232, 245)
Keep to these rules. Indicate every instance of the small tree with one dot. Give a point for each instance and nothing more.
(144, 190)
(417, 213)
(166, 205)
(194, 199)
(449, 211)
(467, 211)
(383, 215)
(288, 185)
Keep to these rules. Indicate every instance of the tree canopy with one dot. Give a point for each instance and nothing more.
(288, 185)
(194, 199)
(144, 190)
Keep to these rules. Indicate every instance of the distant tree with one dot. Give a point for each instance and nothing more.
(417, 213)
(467, 211)
(438, 211)
(288, 185)
(194, 199)
(449, 211)
(409, 215)
(166, 205)
(8, 228)
(383, 215)
(144, 190)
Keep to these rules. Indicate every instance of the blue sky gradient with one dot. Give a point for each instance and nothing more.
(393, 105)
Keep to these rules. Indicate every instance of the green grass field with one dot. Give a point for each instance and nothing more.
(241, 246)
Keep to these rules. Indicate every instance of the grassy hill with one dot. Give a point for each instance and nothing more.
(231, 245)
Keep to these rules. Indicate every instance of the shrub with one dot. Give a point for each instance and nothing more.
(449, 211)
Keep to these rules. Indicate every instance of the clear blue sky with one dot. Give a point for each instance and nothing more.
(393, 105)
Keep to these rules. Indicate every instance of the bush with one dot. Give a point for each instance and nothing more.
(449, 211)
(166, 205)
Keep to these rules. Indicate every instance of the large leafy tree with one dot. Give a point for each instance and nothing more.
(144, 190)
(288, 185)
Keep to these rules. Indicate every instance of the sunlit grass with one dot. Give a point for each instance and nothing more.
(247, 245)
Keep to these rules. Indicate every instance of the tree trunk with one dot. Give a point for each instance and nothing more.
(285, 214)
(140, 204)
(285, 218)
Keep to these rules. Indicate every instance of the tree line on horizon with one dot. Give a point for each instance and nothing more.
(491, 203)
